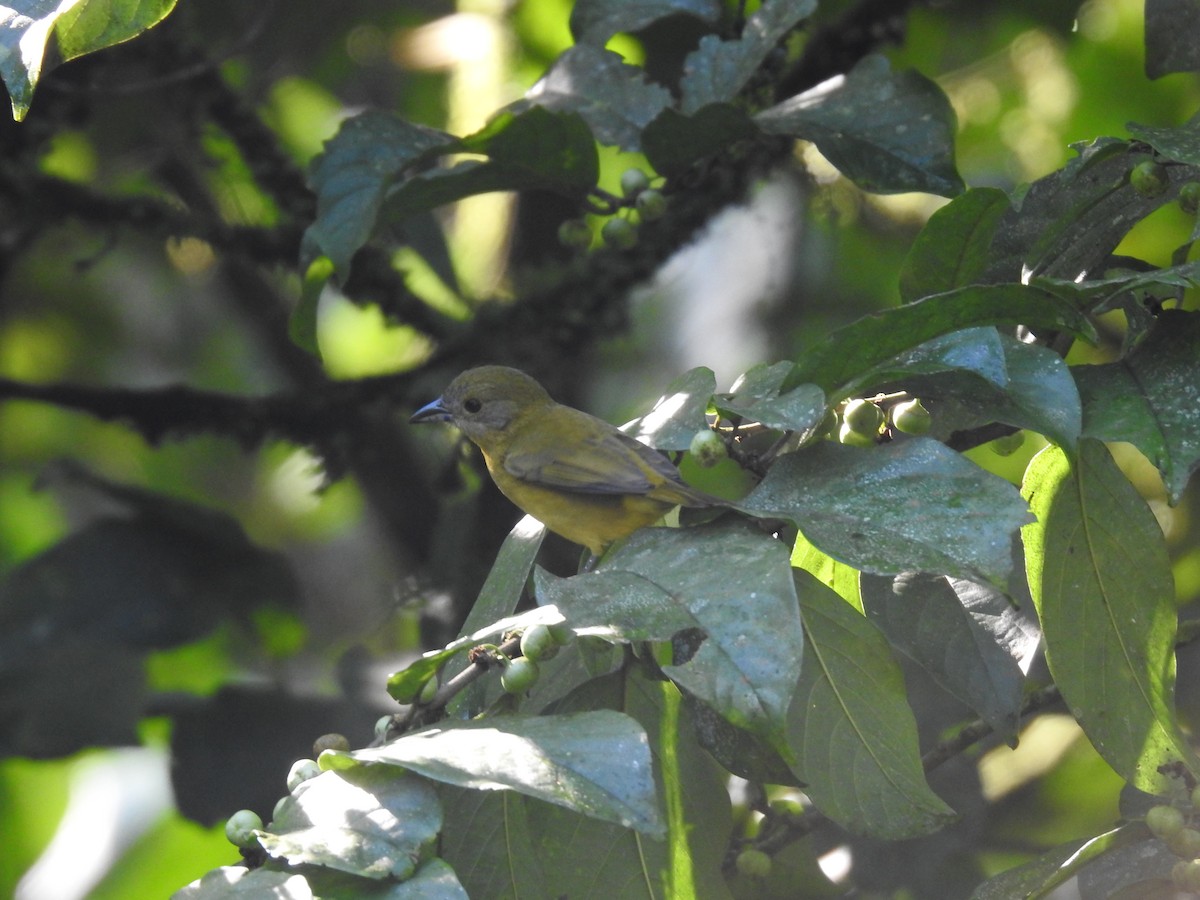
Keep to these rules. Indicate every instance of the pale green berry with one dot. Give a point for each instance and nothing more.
(911, 417)
(302, 770)
(754, 863)
(633, 182)
(618, 232)
(1149, 178)
(519, 675)
(240, 828)
(707, 448)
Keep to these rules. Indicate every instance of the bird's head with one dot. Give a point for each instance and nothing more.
(484, 401)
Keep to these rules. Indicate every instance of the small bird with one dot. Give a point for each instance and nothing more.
(580, 476)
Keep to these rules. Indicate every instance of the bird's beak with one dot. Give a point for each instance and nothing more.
(431, 412)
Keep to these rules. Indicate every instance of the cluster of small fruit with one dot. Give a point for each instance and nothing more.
(619, 231)
(1178, 829)
(539, 643)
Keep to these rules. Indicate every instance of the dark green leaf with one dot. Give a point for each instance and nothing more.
(616, 100)
(595, 21)
(908, 505)
(674, 141)
(756, 397)
(1181, 143)
(850, 727)
(925, 619)
(1068, 224)
(352, 176)
(1101, 580)
(678, 414)
(1035, 391)
(846, 359)
(374, 822)
(1171, 28)
(952, 249)
(1150, 398)
(596, 763)
(717, 70)
(887, 131)
(741, 597)
(742, 753)
(487, 839)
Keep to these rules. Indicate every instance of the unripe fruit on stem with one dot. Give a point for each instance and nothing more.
(1185, 843)
(537, 643)
(911, 417)
(240, 828)
(562, 633)
(1164, 821)
(519, 675)
(302, 770)
(651, 204)
(863, 416)
(575, 233)
(619, 233)
(428, 690)
(847, 435)
(753, 863)
(1149, 178)
(1009, 444)
(332, 741)
(1189, 198)
(633, 182)
(707, 448)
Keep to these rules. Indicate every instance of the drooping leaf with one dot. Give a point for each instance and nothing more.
(96, 24)
(850, 727)
(887, 131)
(908, 505)
(924, 619)
(352, 176)
(372, 822)
(678, 414)
(742, 601)
(850, 357)
(595, 763)
(674, 141)
(616, 100)
(1170, 27)
(837, 576)
(595, 21)
(1101, 581)
(951, 250)
(1150, 398)
(717, 70)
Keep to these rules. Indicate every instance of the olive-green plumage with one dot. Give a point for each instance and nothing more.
(580, 476)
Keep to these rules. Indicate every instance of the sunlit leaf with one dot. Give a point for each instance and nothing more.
(1101, 580)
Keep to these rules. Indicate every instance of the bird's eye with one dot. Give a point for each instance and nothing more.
(472, 405)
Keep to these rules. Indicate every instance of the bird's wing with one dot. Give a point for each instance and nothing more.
(595, 464)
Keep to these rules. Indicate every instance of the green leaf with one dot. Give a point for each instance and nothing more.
(1038, 877)
(678, 414)
(434, 880)
(1150, 398)
(95, 24)
(1171, 26)
(1033, 388)
(756, 397)
(717, 70)
(1180, 143)
(853, 734)
(1069, 223)
(846, 359)
(952, 249)
(352, 176)
(837, 576)
(887, 131)
(616, 100)
(925, 618)
(674, 141)
(909, 505)
(371, 822)
(741, 599)
(595, 21)
(81, 27)
(595, 763)
(1101, 580)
